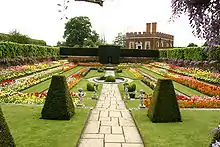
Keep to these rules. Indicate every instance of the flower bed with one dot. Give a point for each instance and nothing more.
(39, 97)
(136, 73)
(192, 102)
(203, 87)
(18, 71)
(193, 72)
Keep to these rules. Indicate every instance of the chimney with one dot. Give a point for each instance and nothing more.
(148, 28)
(154, 27)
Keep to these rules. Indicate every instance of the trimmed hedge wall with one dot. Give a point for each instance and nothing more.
(139, 53)
(191, 53)
(12, 50)
(70, 51)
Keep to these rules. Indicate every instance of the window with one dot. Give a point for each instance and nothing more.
(131, 45)
(147, 45)
(158, 45)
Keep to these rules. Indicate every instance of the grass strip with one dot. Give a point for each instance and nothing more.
(139, 85)
(181, 134)
(29, 130)
(126, 74)
(94, 73)
(181, 88)
(87, 101)
(45, 84)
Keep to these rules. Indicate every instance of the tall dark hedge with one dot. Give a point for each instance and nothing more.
(6, 139)
(58, 104)
(164, 106)
(12, 50)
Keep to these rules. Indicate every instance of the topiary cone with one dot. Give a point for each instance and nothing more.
(58, 104)
(164, 106)
(6, 139)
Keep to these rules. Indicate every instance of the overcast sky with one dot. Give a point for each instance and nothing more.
(40, 19)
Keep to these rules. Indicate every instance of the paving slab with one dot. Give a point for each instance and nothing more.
(91, 143)
(112, 144)
(110, 123)
(114, 138)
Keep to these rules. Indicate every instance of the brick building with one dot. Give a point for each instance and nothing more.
(151, 39)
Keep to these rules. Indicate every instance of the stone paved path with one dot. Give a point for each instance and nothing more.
(110, 123)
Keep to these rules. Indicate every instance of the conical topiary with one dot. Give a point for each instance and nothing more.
(58, 104)
(6, 139)
(164, 106)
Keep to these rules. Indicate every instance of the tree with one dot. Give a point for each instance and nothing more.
(120, 40)
(192, 45)
(204, 17)
(16, 36)
(77, 29)
(78, 32)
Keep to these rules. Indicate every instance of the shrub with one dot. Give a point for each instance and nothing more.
(118, 71)
(58, 104)
(12, 50)
(164, 106)
(100, 69)
(110, 79)
(6, 139)
(102, 78)
(131, 87)
(90, 87)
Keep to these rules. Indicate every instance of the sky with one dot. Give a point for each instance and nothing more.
(40, 19)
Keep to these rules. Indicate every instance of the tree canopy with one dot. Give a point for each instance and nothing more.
(78, 32)
(204, 17)
(120, 40)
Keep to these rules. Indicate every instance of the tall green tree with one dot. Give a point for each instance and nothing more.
(120, 40)
(192, 45)
(78, 32)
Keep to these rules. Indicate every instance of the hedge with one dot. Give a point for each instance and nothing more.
(8, 37)
(189, 53)
(58, 104)
(12, 50)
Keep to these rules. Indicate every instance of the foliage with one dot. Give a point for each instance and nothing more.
(120, 40)
(90, 87)
(192, 53)
(6, 139)
(17, 37)
(192, 45)
(164, 106)
(12, 50)
(204, 17)
(110, 79)
(78, 33)
(119, 71)
(101, 69)
(58, 104)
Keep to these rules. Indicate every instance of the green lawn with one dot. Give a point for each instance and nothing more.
(184, 89)
(45, 84)
(86, 100)
(30, 131)
(192, 132)
(125, 73)
(94, 73)
(139, 85)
